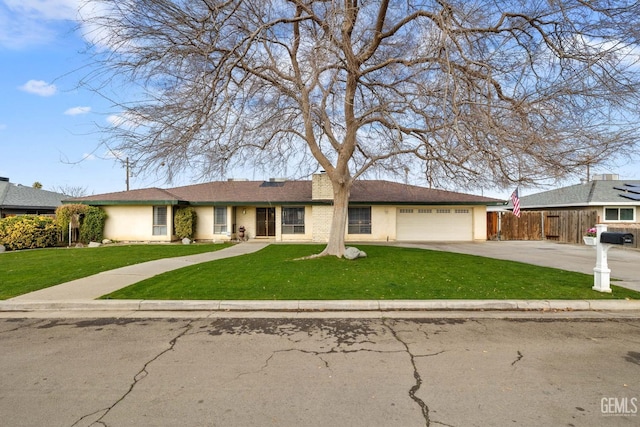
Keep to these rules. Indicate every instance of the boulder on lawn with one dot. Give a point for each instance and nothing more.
(353, 253)
(106, 241)
(186, 241)
(2, 248)
(94, 244)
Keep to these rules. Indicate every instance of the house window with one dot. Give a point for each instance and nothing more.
(360, 220)
(159, 220)
(443, 211)
(406, 211)
(220, 220)
(462, 211)
(292, 220)
(619, 214)
(427, 211)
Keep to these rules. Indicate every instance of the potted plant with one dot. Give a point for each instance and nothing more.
(591, 237)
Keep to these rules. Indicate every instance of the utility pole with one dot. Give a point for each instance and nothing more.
(127, 168)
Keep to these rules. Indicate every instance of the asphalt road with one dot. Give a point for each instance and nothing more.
(319, 372)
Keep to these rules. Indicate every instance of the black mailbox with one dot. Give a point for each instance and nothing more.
(614, 238)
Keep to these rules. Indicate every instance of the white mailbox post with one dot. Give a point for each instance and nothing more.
(601, 272)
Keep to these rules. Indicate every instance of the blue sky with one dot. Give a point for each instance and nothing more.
(49, 127)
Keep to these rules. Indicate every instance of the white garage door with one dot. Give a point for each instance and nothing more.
(434, 224)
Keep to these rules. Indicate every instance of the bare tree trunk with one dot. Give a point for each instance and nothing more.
(335, 245)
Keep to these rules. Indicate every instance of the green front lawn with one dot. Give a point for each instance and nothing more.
(26, 271)
(387, 273)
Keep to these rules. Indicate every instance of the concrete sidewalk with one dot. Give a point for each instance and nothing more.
(80, 295)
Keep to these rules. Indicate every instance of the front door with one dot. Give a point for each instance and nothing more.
(265, 222)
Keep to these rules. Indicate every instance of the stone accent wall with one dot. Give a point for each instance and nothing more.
(322, 216)
(321, 188)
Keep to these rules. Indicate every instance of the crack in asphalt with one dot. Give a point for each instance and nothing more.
(316, 353)
(139, 376)
(519, 358)
(416, 375)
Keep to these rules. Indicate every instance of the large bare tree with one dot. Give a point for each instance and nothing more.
(470, 91)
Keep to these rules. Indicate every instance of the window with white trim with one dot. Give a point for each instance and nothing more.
(219, 220)
(619, 214)
(293, 220)
(360, 220)
(159, 221)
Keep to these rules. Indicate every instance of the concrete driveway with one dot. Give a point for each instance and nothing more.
(623, 262)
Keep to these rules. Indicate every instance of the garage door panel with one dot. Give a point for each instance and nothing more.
(434, 224)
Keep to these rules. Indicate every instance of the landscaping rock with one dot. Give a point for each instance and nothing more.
(2, 248)
(186, 241)
(94, 244)
(106, 242)
(79, 245)
(353, 253)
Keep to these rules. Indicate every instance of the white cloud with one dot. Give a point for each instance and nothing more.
(44, 9)
(75, 111)
(39, 87)
(127, 120)
(114, 154)
(26, 23)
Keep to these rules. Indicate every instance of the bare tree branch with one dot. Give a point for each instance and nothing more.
(465, 91)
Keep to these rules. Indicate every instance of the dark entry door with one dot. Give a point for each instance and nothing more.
(266, 222)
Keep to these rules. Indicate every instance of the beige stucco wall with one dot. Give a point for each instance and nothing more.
(204, 228)
(134, 223)
(383, 226)
(479, 223)
(246, 216)
(204, 223)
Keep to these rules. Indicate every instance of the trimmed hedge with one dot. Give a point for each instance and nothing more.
(91, 222)
(28, 232)
(92, 226)
(185, 222)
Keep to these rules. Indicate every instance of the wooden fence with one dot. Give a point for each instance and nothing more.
(560, 226)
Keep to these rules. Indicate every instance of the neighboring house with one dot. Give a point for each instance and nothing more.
(16, 199)
(294, 211)
(615, 201)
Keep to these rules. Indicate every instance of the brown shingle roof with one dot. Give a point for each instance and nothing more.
(279, 192)
(394, 192)
(145, 195)
(246, 192)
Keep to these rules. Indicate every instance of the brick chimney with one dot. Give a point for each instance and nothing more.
(321, 188)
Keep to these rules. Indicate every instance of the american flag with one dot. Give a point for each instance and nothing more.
(516, 203)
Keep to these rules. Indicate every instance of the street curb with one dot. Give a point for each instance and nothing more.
(320, 305)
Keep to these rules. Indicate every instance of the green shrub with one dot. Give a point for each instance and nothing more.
(28, 232)
(90, 221)
(92, 225)
(185, 222)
